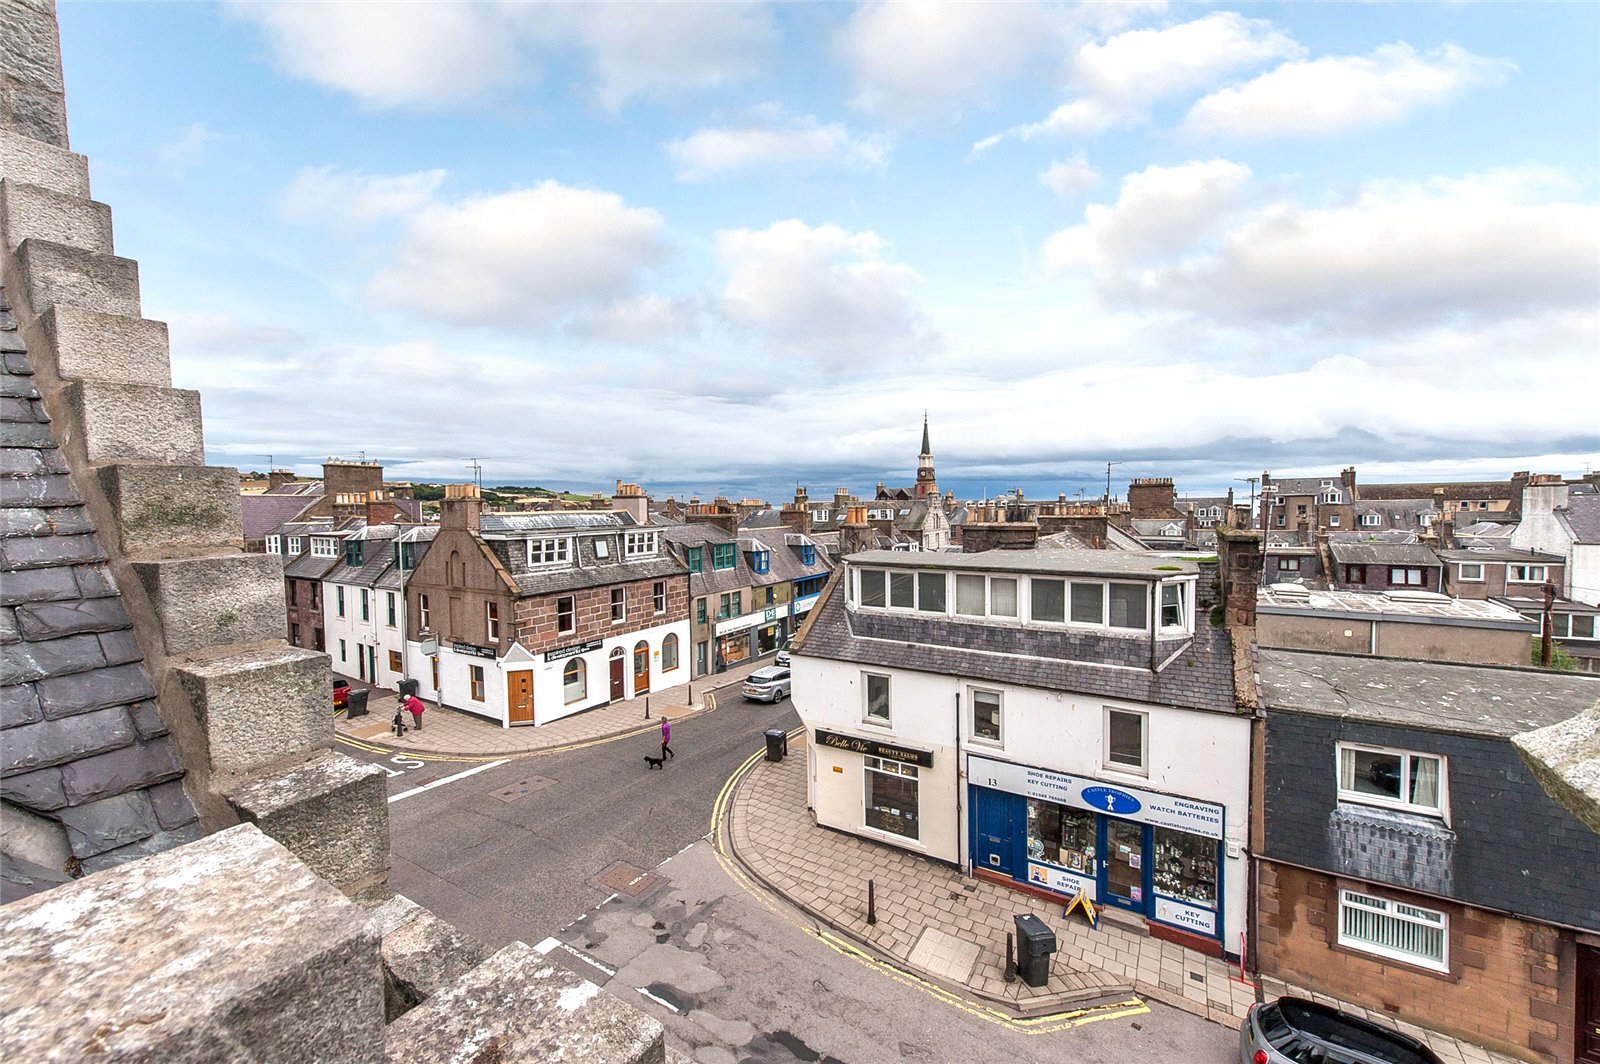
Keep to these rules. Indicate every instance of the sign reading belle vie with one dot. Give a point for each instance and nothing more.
(874, 749)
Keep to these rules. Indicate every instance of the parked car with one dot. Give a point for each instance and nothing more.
(782, 660)
(770, 684)
(341, 693)
(1296, 1031)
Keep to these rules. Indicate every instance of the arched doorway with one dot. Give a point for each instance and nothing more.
(641, 667)
(619, 668)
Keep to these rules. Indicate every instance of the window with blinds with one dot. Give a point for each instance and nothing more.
(1394, 929)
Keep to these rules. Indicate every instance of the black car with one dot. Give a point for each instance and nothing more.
(1296, 1031)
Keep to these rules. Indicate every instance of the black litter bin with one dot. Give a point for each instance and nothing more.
(1035, 943)
(777, 744)
(408, 687)
(356, 704)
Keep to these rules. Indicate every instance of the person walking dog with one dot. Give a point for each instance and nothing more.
(666, 737)
(414, 706)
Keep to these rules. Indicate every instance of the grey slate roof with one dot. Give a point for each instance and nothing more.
(547, 582)
(1477, 489)
(82, 743)
(1198, 676)
(556, 520)
(262, 514)
(1382, 554)
(1581, 515)
(1434, 696)
(1500, 554)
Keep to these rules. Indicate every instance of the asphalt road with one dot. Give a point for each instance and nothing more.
(517, 851)
(738, 977)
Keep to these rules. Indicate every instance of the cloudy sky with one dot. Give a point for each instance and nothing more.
(732, 246)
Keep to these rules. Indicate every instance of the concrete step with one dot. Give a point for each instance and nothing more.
(80, 344)
(332, 812)
(519, 1006)
(135, 422)
(43, 274)
(172, 509)
(37, 163)
(219, 950)
(422, 954)
(262, 708)
(33, 211)
(215, 601)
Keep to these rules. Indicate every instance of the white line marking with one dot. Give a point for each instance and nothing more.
(585, 958)
(547, 945)
(659, 1001)
(448, 779)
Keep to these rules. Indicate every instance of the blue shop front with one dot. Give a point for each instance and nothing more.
(1155, 854)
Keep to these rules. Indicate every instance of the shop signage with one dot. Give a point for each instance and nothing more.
(771, 614)
(1169, 911)
(752, 620)
(1059, 879)
(1130, 803)
(573, 651)
(473, 650)
(804, 603)
(874, 749)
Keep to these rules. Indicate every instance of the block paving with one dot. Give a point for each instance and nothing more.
(825, 872)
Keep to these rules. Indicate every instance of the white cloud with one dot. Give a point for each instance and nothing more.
(1480, 248)
(1336, 93)
(649, 48)
(774, 141)
(389, 53)
(530, 256)
(1121, 80)
(1159, 211)
(643, 321)
(437, 55)
(820, 293)
(186, 150)
(919, 57)
(1069, 177)
(328, 195)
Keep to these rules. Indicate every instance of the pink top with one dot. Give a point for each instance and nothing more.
(666, 730)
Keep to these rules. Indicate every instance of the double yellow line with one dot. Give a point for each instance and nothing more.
(1045, 1024)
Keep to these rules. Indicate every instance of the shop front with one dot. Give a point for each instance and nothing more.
(1154, 854)
(741, 638)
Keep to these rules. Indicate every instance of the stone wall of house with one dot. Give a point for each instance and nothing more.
(1511, 984)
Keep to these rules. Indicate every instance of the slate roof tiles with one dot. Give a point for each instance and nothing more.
(82, 743)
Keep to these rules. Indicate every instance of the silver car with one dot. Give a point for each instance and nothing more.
(782, 660)
(1296, 1031)
(770, 684)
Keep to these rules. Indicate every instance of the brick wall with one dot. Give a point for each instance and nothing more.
(534, 624)
(303, 599)
(1511, 984)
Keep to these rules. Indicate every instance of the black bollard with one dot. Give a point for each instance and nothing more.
(872, 903)
(1011, 958)
(646, 707)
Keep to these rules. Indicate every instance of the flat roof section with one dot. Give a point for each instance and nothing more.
(1403, 607)
(1053, 562)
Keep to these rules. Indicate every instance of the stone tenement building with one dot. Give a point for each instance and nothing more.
(149, 697)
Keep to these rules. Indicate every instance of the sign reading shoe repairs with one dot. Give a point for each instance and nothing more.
(1128, 803)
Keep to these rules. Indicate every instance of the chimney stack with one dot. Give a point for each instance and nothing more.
(1239, 562)
(461, 508)
(855, 535)
(631, 500)
(277, 478)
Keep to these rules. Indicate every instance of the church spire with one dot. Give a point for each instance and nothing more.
(927, 450)
(926, 483)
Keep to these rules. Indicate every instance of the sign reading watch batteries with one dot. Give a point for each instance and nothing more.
(1129, 803)
(874, 749)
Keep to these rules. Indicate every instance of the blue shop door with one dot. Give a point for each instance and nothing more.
(994, 837)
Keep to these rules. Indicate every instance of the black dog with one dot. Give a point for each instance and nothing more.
(653, 762)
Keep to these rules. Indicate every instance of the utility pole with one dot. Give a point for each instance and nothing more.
(1252, 482)
(1106, 506)
(477, 473)
(1546, 649)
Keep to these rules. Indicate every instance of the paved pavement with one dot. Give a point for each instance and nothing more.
(952, 929)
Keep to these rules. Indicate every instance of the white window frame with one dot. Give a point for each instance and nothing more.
(1542, 570)
(1182, 587)
(1143, 768)
(619, 605)
(658, 596)
(889, 767)
(550, 550)
(324, 547)
(638, 544)
(274, 544)
(572, 614)
(887, 719)
(491, 621)
(998, 741)
(1288, 565)
(602, 548)
(296, 544)
(1393, 912)
(820, 516)
(1440, 812)
(1461, 572)
(1333, 520)
(1371, 520)
(1408, 571)
(423, 612)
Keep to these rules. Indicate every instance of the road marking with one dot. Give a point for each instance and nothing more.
(659, 1001)
(448, 779)
(551, 944)
(546, 946)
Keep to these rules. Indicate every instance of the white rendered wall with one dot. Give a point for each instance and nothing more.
(1583, 573)
(351, 628)
(547, 676)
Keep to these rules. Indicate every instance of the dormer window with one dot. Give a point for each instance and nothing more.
(723, 556)
(761, 561)
(808, 554)
(549, 551)
(355, 552)
(695, 558)
(274, 544)
(1330, 498)
(296, 544)
(638, 544)
(819, 515)
(324, 547)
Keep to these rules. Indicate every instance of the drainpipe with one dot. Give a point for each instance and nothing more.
(966, 866)
(1155, 620)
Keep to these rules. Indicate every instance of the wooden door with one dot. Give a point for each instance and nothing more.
(1588, 1042)
(519, 696)
(618, 689)
(641, 668)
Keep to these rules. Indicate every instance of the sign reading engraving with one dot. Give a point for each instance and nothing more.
(475, 651)
(573, 651)
(874, 749)
(1147, 807)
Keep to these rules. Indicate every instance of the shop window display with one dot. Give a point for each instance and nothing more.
(1061, 836)
(1185, 867)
